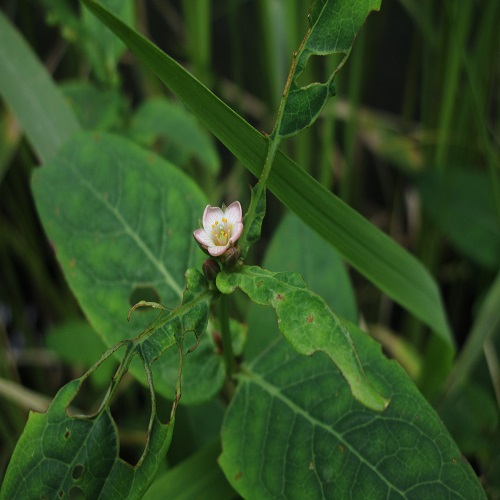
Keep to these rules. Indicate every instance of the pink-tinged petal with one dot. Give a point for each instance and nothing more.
(211, 216)
(236, 231)
(203, 238)
(215, 251)
(233, 212)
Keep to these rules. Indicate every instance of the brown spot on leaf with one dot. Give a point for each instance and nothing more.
(341, 448)
(72, 263)
(259, 283)
(311, 465)
(455, 461)
(239, 475)
(279, 296)
(310, 318)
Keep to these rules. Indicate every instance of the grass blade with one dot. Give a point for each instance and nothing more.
(365, 247)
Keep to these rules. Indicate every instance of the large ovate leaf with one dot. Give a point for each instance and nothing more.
(29, 91)
(366, 248)
(306, 322)
(121, 222)
(334, 25)
(59, 455)
(293, 430)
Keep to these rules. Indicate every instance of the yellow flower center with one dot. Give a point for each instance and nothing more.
(221, 233)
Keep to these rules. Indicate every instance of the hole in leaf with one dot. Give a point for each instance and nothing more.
(60, 493)
(76, 493)
(318, 68)
(143, 292)
(132, 425)
(93, 389)
(77, 472)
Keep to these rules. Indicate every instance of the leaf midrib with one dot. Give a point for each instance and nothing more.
(170, 281)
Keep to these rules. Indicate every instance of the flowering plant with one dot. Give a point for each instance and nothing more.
(284, 423)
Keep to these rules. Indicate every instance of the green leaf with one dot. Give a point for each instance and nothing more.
(203, 374)
(253, 219)
(482, 337)
(96, 109)
(165, 121)
(462, 204)
(319, 265)
(29, 91)
(193, 478)
(293, 430)
(102, 47)
(334, 26)
(306, 322)
(63, 14)
(121, 221)
(61, 455)
(366, 248)
(471, 416)
(316, 261)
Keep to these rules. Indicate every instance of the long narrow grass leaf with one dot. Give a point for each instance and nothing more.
(395, 271)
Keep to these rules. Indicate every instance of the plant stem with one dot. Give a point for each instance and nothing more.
(274, 142)
(226, 335)
(256, 210)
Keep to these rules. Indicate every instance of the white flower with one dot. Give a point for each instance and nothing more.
(221, 228)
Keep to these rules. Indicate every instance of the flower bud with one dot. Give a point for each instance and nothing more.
(210, 269)
(231, 257)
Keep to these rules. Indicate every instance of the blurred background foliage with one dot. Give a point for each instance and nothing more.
(411, 141)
